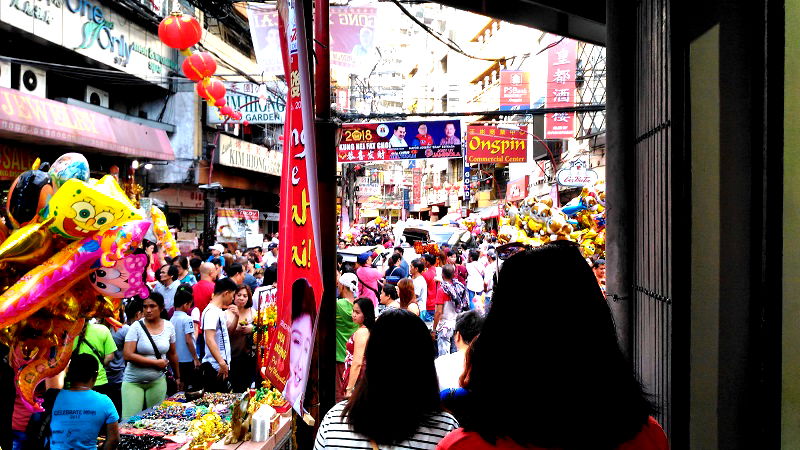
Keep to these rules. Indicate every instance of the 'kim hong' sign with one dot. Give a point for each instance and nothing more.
(246, 155)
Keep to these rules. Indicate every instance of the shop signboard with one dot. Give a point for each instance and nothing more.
(517, 189)
(416, 185)
(246, 155)
(515, 91)
(393, 141)
(234, 224)
(290, 345)
(14, 161)
(561, 65)
(489, 144)
(179, 197)
(92, 29)
(353, 37)
(578, 174)
(237, 95)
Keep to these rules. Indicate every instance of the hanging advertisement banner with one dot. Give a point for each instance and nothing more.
(263, 21)
(416, 185)
(235, 224)
(517, 189)
(353, 37)
(391, 141)
(488, 144)
(515, 90)
(561, 64)
(290, 347)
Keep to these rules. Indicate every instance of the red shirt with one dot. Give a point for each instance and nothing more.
(202, 292)
(429, 274)
(651, 437)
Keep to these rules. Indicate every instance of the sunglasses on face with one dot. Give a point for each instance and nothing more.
(508, 250)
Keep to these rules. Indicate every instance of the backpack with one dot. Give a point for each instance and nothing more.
(38, 429)
(458, 294)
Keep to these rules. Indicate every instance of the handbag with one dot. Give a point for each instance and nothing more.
(377, 282)
(172, 385)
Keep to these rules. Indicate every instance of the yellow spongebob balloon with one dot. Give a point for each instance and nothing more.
(80, 209)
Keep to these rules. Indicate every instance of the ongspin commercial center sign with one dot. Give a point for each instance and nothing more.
(487, 144)
(391, 141)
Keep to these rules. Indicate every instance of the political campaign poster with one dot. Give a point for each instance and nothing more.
(290, 346)
(352, 31)
(263, 21)
(392, 141)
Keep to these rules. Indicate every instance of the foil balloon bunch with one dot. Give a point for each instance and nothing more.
(69, 251)
(183, 31)
(535, 221)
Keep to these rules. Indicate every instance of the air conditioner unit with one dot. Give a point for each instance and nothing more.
(5, 74)
(33, 81)
(96, 96)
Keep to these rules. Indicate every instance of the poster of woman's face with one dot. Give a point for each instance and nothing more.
(301, 341)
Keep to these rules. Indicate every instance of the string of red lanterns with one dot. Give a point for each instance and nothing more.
(182, 32)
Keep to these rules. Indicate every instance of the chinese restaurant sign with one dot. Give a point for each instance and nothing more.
(561, 64)
(515, 92)
(237, 95)
(290, 346)
(390, 141)
(246, 155)
(487, 144)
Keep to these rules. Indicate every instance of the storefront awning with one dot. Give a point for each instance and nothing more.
(28, 118)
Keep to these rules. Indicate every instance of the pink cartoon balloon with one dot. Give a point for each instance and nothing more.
(123, 280)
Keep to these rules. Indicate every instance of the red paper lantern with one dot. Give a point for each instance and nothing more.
(246, 123)
(180, 31)
(211, 88)
(226, 111)
(237, 115)
(199, 65)
(220, 102)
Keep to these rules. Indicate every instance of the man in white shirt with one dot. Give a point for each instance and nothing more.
(217, 339)
(271, 257)
(420, 284)
(488, 276)
(450, 367)
(167, 286)
(398, 139)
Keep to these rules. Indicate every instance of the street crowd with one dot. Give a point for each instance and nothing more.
(194, 330)
(506, 347)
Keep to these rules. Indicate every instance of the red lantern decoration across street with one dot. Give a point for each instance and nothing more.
(237, 115)
(211, 89)
(180, 31)
(199, 65)
(226, 111)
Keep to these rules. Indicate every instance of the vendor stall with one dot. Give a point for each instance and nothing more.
(255, 420)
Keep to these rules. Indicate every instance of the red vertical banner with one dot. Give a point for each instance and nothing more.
(299, 276)
(416, 185)
(561, 65)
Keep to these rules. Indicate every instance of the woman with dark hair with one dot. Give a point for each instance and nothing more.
(405, 415)
(149, 348)
(388, 298)
(184, 274)
(243, 358)
(304, 315)
(584, 394)
(364, 316)
(408, 300)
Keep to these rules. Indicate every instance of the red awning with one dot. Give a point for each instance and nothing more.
(28, 118)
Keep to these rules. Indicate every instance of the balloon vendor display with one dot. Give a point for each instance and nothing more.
(535, 221)
(182, 31)
(73, 248)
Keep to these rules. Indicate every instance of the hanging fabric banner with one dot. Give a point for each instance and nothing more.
(299, 278)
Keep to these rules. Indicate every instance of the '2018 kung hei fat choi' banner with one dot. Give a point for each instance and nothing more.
(300, 279)
(486, 144)
(561, 65)
(391, 141)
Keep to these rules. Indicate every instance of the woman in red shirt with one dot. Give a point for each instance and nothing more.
(554, 345)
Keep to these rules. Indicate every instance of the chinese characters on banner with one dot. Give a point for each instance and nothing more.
(515, 92)
(389, 141)
(467, 189)
(488, 144)
(416, 185)
(299, 281)
(561, 64)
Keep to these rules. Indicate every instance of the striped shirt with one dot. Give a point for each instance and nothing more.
(335, 432)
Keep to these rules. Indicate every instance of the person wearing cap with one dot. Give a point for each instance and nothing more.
(345, 327)
(271, 257)
(216, 252)
(368, 278)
